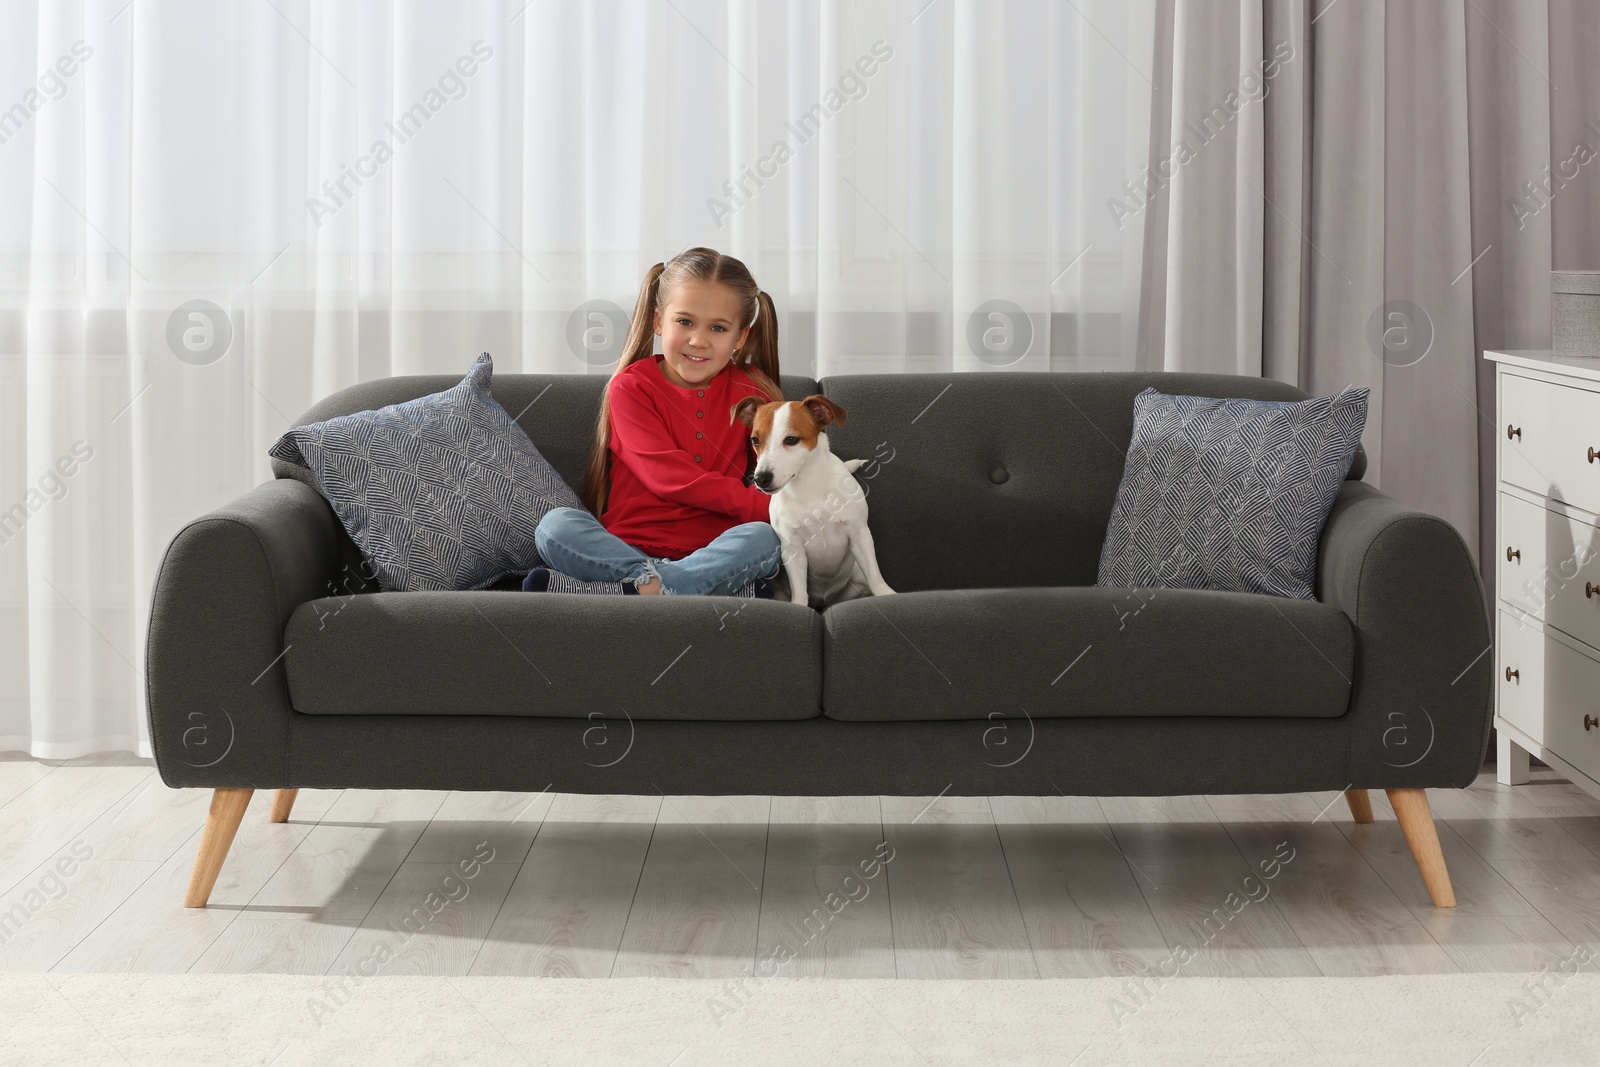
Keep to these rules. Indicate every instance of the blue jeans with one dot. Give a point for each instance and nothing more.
(574, 542)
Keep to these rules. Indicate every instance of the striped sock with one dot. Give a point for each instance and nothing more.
(546, 580)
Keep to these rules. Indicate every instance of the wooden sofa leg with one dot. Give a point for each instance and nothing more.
(227, 809)
(283, 804)
(1416, 820)
(1360, 806)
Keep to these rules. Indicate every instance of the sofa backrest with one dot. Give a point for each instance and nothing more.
(558, 412)
(1001, 479)
(989, 479)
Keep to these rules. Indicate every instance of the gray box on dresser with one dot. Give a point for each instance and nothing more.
(1575, 314)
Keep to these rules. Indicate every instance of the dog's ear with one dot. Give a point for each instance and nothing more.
(745, 410)
(823, 410)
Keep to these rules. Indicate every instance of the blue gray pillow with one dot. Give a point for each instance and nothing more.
(1229, 494)
(440, 492)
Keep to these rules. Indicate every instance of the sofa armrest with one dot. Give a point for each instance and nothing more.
(1421, 698)
(215, 684)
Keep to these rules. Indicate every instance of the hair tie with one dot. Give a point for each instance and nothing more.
(758, 309)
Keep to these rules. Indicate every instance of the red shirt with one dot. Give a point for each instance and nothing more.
(677, 464)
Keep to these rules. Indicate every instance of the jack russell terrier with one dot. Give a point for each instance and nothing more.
(818, 508)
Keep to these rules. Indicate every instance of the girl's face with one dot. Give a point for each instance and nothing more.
(699, 328)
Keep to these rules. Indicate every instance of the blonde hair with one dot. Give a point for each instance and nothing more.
(758, 357)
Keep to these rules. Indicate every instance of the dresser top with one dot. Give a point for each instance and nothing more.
(1542, 359)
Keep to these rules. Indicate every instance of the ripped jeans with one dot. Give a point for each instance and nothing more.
(575, 543)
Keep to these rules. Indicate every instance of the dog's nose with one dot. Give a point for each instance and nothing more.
(764, 479)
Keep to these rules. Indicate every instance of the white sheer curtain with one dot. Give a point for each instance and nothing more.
(212, 214)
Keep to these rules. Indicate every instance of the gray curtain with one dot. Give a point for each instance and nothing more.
(1358, 211)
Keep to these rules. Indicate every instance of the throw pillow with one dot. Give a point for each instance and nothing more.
(440, 492)
(1229, 494)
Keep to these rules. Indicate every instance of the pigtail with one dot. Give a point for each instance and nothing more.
(597, 472)
(641, 340)
(760, 355)
(640, 344)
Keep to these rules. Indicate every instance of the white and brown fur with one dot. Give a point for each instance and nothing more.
(818, 508)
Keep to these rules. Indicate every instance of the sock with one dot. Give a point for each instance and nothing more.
(546, 580)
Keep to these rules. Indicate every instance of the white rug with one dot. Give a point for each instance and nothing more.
(1465, 1020)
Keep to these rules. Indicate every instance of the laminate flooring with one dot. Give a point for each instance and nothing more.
(95, 853)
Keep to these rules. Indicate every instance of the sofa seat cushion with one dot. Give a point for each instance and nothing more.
(559, 655)
(1074, 651)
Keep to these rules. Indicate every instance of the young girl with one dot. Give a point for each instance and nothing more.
(666, 475)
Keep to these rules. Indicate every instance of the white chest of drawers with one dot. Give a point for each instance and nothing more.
(1547, 587)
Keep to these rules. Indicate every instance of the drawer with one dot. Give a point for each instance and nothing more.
(1571, 692)
(1519, 675)
(1524, 579)
(1555, 430)
(1549, 566)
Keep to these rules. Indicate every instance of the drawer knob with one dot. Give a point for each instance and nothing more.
(1513, 554)
(1513, 431)
(1590, 589)
(1511, 674)
(1592, 454)
(1590, 722)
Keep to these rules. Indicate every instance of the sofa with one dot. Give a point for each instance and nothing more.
(998, 668)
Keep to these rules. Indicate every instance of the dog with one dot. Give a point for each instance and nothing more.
(818, 508)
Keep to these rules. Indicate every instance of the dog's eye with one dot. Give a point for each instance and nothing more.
(791, 440)
(755, 440)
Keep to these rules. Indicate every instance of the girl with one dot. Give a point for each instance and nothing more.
(667, 472)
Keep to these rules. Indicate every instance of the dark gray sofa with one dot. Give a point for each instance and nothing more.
(1000, 668)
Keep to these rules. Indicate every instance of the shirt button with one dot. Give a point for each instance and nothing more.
(701, 393)
(698, 435)
(699, 414)
(697, 459)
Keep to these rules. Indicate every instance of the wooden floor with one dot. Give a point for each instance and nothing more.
(95, 854)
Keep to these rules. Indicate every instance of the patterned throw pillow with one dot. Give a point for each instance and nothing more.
(1229, 494)
(440, 492)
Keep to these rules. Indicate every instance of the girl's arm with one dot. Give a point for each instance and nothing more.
(646, 445)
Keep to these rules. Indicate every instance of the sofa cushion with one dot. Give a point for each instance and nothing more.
(440, 492)
(1000, 480)
(554, 654)
(1084, 651)
(1229, 494)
